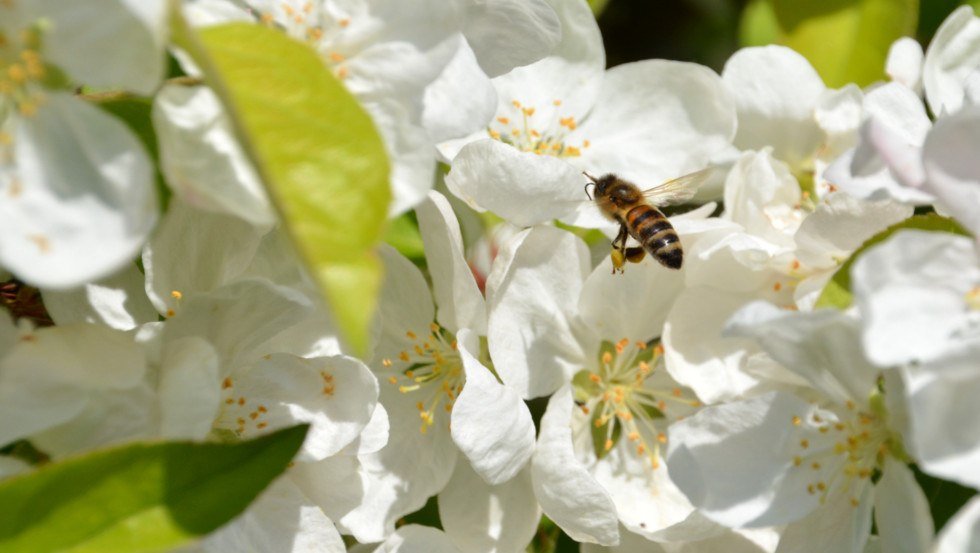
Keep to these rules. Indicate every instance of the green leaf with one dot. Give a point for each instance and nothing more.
(837, 292)
(845, 40)
(758, 25)
(318, 152)
(403, 235)
(139, 497)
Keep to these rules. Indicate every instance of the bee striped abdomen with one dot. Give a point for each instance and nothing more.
(654, 232)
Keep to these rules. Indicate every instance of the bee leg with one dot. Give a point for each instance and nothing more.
(634, 255)
(619, 247)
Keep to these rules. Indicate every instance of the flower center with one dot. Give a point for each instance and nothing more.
(546, 138)
(626, 396)
(21, 69)
(844, 446)
(305, 21)
(433, 369)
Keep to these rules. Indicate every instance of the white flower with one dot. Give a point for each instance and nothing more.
(806, 458)
(952, 171)
(904, 63)
(919, 298)
(431, 359)
(78, 190)
(417, 71)
(647, 121)
(554, 323)
(949, 73)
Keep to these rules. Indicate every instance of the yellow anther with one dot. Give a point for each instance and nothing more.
(797, 460)
(556, 103)
(343, 22)
(516, 104)
(528, 111)
(606, 358)
(503, 120)
(226, 383)
(661, 437)
(170, 313)
(608, 445)
(804, 443)
(797, 420)
(595, 378)
(493, 134)
(815, 466)
(342, 72)
(336, 57)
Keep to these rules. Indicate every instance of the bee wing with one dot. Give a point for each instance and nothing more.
(677, 190)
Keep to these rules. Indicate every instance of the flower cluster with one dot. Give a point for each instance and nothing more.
(779, 392)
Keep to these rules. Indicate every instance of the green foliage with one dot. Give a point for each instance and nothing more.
(139, 497)
(837, 292)
(403, 235)
(845, 40)
(318, 152)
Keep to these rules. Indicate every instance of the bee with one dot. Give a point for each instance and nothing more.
(638, 216)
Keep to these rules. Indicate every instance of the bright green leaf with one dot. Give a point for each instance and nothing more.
(837, 292)
(403, 235)
(845, 40)
(758, 25)
(139, 497)
(318, 152)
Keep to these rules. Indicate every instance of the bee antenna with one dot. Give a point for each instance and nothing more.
(588, 183)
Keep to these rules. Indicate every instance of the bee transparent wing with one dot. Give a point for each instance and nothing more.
(679, 190)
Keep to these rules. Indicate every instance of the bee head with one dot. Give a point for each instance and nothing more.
(600, 185)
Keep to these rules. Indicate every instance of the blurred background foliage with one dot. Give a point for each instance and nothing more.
(845, 40)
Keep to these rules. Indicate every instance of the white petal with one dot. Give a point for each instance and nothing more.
(238, 318)
(943, 437)
(411, 154)
(776, 91)
(962, 532)
(461, 101)
(840, 224)
(84, 200)
(374, 436)
(118, 301)
(697, 356)
(564, 488)
(904, 63)
(532, 296)
(631, 305)
(405, 305)
(524, 188)
(735, 461)
(572, 73)
(655, 120)
(480, 518)
(902, 510)
(824, 347)
(952, 55)
(189, 389)
(413, 538)
(202, 159)
(838, 113)
(281, 519)
(195, 251)
(911, 292)
(490, 423)
(900, 110)
(834, 526)
(510, 33)
(458, 299)
(84, 41)
(336, 396)
(761, 195)
(952, 168)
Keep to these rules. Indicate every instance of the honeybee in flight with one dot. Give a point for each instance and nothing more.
(638, 216)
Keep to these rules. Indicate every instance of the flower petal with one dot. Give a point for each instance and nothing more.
(460, 101)
(904, 63)
(118, 301)
(655, 120)
(953, 54)
(483, 518)
(568, 494)
(735, 461)
(943, 438)
(901, 510)
(510, 33)
(532, 296)
(202, 159)
(458, 299)
(84, 200)
(524, 188)
(952, 168)
(189, 389)
(776, 91)
(962, 532)
(911, 292)
(413, 538)
(490, 423)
